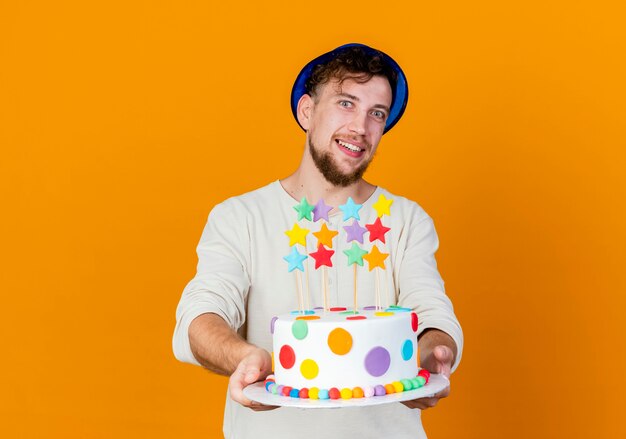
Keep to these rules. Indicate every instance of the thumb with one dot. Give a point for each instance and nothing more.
(444, 357)
(251, 375)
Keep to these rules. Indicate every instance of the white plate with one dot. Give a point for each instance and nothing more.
(256, 392)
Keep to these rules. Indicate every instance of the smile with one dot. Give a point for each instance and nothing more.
(349, 146)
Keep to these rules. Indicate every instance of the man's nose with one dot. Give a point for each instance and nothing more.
(358, 123)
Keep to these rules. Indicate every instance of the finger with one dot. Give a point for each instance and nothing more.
(444, 357)
(426, 403)
(442, 394)
(443, 354)
(236, 393)
(258, 407)
(422, 403)
(236, 384)
(238, 381)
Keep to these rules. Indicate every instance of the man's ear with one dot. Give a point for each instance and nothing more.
(305, 110)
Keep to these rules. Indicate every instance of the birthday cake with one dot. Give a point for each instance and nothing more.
(342, 354)
(339, 352)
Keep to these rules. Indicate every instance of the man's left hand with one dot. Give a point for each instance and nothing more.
(439, 360)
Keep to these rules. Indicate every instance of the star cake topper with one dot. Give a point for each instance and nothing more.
(355, 232)
(295, 259)
(355, 254)
(383, 206)
(350, 210)
(322, 256)
(304, 209)
(325, 236)
(320, 211)
(375, 258)
(297, 235)
(377, 230)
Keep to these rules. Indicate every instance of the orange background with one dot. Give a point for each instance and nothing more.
(123, 123)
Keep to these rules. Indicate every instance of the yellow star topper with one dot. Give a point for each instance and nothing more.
(297, 235)
(375, 258)
(383, 205)
(325, 236)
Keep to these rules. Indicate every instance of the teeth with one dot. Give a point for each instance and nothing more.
(350, 146)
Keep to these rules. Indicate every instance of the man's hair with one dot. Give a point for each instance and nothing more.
(351, 63)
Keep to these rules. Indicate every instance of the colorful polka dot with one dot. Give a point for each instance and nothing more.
(287, 357)
(407, 350)
(380, 390)
(340, 341)
(272, 323)
(306, 312)
(299, 329)
(377, 361)
(383, 313)
(414, 321)
(398, 309)
(424, 373)
(309, 369)
(308, 318)
(314, 393)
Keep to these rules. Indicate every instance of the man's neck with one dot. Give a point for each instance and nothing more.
(307, 181)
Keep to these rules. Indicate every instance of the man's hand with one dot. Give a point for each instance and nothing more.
(255, 366)
(438, 352)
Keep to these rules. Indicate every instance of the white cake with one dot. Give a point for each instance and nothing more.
(338, 349)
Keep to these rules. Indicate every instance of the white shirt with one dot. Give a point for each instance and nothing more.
(242, 277)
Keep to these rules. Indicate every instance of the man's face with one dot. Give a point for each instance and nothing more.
(346, 123)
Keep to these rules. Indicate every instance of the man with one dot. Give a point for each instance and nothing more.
(344, 100)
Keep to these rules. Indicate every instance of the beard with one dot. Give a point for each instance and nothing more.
(331, 172)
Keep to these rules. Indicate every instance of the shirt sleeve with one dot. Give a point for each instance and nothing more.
(420, 285)
(222, 281)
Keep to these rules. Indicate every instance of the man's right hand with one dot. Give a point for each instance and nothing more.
(255, 366)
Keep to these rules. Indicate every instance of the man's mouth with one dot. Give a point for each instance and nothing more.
(348, 146)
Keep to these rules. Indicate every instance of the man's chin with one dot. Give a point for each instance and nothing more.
(327, 166)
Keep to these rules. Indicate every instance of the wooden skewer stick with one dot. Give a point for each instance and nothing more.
(355, 294)
(377, 302)
(306, 272)
(387, 289)
(299, 287)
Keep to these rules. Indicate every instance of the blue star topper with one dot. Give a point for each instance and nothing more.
(295, 259)
(350, 210)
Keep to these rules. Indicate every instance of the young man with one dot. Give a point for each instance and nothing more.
(345, 100)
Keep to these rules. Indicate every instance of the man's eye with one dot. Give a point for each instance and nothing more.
(345, 103)
(378, 114)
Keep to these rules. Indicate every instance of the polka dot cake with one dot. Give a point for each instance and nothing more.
(341, 354)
